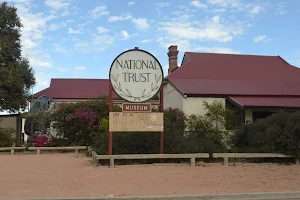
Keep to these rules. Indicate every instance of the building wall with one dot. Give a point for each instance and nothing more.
(194, 105)
(12, 122)
(172, 98)
(248, 115)
(8, 122)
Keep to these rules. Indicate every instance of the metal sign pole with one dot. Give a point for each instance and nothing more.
(161, 136)
(110, 143)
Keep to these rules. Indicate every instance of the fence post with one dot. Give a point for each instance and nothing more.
(76, 152)
(38, 151)
(297, 161)
(12, 152)
(193, 162)
(226, 161)
(111, 163)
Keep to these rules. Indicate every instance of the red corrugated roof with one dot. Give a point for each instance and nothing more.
(236, 87)
(76, 89)
(229, 74)
(251, 101)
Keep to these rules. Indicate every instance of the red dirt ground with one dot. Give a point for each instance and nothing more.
(67, 176)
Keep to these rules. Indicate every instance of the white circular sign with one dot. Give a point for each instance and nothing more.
(136, 75)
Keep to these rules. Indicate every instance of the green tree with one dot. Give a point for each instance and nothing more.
(16, 75)
(214, 125)
(219, 115)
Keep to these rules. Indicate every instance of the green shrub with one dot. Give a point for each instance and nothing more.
(278, 133)
(6, 138)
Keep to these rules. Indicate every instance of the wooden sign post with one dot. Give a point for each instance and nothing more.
(136, 76)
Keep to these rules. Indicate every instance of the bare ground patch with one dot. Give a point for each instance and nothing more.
(67, 176)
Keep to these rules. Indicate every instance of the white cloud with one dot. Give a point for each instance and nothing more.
(39, 64)
(57, 4)
(103, 40)
(162, 4)
(99, 11)
(42, 80)
(280, 8)
(99, 43)
(19, 1)
(120, 18)
(236, 5)
(261, 38)
(79, 68)
(146, 41)
(183, 44)
(34, 26)
(60, 49)
(256, 9)
(198, 4)
(131, 3)
(33, 34)
(125, 35)
(101, 29)
(59, 7)
(214, 29)
(62, 69)
(141, 23)
(73, 31)
(226, 3)
(186, 45)
(217, 50)
(56, 26)
(28, 43)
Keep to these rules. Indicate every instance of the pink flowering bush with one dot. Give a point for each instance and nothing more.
(78, 123)
(85, 116)
(40, 141)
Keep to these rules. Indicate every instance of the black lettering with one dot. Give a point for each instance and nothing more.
(151, 65)
(148, 78)
(131, 76)
(126, 65)
(131, 64)
(138, 66)
(146, 64)
(137, 78)
(125, 77)
(121, 64)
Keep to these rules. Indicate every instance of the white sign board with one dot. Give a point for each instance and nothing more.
(136, 75)
(148, 122)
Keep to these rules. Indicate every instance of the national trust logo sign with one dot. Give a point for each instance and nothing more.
(136, 75)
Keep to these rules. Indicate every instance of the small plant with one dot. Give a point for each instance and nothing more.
(6, 138)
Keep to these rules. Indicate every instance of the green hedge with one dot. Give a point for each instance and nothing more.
(278, 133)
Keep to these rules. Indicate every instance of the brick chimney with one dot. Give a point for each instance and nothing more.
(172, 58)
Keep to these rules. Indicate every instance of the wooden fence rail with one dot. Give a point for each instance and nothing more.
(192, 157)
(72, 148)
(11, 149)
(226, 156)
(39, 149)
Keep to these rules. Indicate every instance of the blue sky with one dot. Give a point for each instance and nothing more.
(80, 39)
